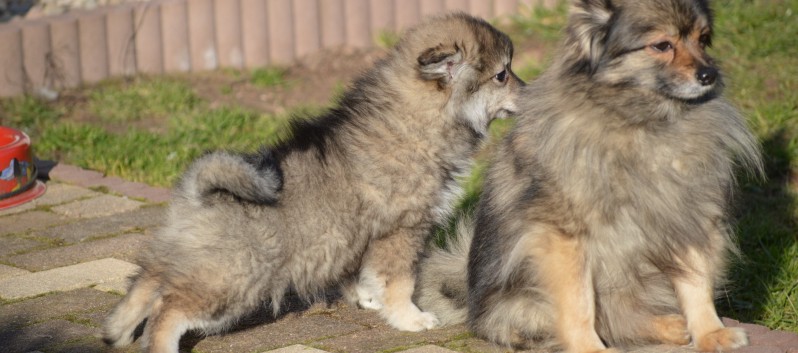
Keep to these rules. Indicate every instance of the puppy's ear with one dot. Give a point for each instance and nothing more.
(440, 63)
(589, 24)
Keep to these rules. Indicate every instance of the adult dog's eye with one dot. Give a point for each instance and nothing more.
(501, 76)
(705, 40)
(662, 46)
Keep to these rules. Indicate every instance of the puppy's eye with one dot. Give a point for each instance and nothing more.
(501, 76)
(705, 40)
(662, 46)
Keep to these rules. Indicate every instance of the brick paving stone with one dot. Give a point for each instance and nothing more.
(9, 271)
(92, 345)
(65, 278)
(57, 193)
(147, 217)
(475, 345)
(775, 338)
(75, 175)
(759, 349)
(11, 245)
(136, 190)
(292, 329)
(41, 336)
(57, 305)
(297, 348)
(123, 247)
(114, 286)
(385, 338)
(428, 349)
(104, 205)
(28, 221)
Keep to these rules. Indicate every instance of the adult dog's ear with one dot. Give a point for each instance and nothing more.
(587, 31)
(440, 63)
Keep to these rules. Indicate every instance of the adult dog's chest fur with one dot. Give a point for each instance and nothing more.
(635, 178)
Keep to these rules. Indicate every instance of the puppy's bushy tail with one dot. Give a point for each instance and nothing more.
(137, 305)
(442, 287)
(255, 177)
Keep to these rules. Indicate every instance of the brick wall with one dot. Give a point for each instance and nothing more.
(194, 35)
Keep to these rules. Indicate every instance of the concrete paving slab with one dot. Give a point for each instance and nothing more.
(297, 348)
(429, 349)
(123, 247)
(261, 334)
(9, 271)
(114, 286)
(56, 305)
(373, 340)
(57, 193)
(25, 222)
(10, 245)
(66, 278)
(477, 345)
(41, 336)
(104, 205)
(148, 217)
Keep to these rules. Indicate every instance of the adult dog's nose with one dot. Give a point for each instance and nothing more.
(706, 75)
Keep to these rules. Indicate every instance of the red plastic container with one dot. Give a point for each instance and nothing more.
(18, 183)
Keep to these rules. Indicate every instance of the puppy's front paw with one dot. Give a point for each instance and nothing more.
(721, 340)
(414, 321)
(370, 303)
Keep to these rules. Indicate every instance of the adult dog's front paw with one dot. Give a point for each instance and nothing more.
(724, 339)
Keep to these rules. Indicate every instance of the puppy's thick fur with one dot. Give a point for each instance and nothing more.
(605, 213)
(348, 200)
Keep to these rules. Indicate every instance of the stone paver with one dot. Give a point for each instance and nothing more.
(65, 278)
(82, 243)
(8, 272)
(28, 221)
(297, 348)
(429, 349)
(56, 305)
(13, 245)
(122, 247)
(41, 336)
(57, 193)
(104, 205)
(142, 218)
(258, 335)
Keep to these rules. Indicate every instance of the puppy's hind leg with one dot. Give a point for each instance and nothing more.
(166, 325)
(387, 280)
(131, 311)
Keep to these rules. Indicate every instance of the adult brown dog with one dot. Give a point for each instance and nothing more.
(604, 216)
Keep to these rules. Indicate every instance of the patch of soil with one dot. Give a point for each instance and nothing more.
(313, 80)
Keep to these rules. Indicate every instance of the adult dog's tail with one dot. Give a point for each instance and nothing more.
(442, 282)
(254, 178)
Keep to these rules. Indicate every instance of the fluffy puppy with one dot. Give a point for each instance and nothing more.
(349, 198)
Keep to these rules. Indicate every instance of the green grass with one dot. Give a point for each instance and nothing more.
(386, 39)
(189, 127)
(143, 98)
(756, 43)
(269, 77)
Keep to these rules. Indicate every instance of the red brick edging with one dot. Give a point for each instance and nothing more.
(89, 179)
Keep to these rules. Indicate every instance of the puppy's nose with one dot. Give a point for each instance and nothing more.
(706, 75)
